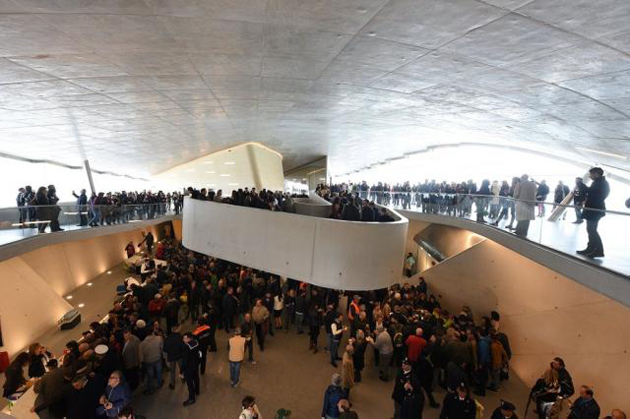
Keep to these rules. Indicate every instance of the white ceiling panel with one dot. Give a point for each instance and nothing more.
(357, 80)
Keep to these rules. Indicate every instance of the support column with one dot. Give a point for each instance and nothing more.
(88, 171)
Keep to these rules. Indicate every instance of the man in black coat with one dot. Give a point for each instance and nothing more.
(585, 406)
(192, 355)
(174, 350)
(83, 399)
(230, 307)
(81, 207)
(407, 394)
(458, 405)
(579, 196)
(594, 208)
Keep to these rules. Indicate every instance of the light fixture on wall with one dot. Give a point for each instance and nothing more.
(68, 297)
(89, 284)
(81, 305)
(109, 272)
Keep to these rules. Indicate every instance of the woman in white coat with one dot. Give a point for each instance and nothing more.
(525, 195)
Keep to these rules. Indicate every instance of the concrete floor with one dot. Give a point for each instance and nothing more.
(287, 375)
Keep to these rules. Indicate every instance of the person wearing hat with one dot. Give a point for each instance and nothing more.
(458, 404)
(594, 210)
(407, 395)
(504, 411)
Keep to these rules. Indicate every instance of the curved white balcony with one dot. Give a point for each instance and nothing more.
(330, 253)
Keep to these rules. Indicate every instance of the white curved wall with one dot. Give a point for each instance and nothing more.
(330, 253)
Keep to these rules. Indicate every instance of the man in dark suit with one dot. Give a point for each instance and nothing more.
(594, 210)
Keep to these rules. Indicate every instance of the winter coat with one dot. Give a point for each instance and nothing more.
(525, 194)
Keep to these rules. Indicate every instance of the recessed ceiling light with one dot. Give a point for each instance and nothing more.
(69, 297)
(229, 162)
(210, 173)
(603, 153)
(89, 284)
(225, 175)
(81, 305)
(109, 272)
(207, 162)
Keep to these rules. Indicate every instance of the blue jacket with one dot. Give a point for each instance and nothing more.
(119, 397)
(485, 356)
(331, 398)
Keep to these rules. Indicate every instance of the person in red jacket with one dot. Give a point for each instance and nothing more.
(415, 346)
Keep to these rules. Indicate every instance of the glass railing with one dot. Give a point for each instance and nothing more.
(17, 223)
(554, 225)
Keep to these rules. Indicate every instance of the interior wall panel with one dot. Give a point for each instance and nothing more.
(545, 315)
(29, 306)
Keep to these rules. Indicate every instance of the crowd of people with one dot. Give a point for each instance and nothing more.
(263, 199)
(41, 209)
(168, 321)
(520, 201)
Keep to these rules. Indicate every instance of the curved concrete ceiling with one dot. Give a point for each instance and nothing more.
(148, 84)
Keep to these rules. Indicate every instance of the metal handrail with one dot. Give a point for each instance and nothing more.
(369, 191)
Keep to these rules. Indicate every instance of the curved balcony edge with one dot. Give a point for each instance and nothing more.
(600, 279)
(349, 255)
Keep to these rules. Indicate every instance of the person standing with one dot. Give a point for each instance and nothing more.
(314, 324)
(594, 210)
(247, 331)
(385, 347)
(174, 349)
(336, 333)
(347, 370)
(151, 348)
(585, 406)
(407, 394)
(54, 209)
(202, 336)
(458, 404)
(579, 196)
(81, 207)
(410, 264)
(192, 356)
(132, 359)
(541, 197)
(525, 195)
(260, 316)
(236, 354)
(117, 396)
